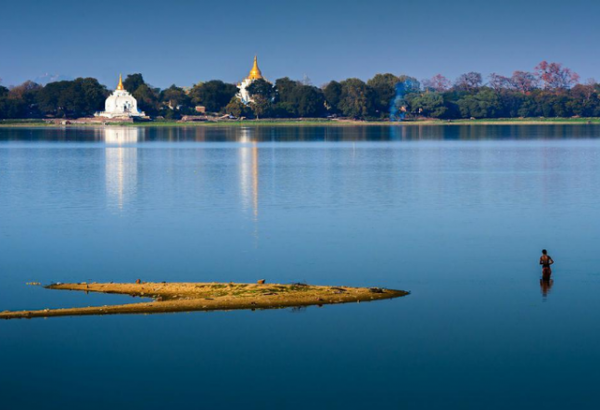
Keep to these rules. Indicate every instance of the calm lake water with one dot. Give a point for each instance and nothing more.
(457, 215)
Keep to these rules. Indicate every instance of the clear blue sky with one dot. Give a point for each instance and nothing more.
(184, 42)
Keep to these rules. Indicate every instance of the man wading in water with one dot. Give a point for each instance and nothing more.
(546, 261)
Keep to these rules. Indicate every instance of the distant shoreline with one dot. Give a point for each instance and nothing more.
(308, 122)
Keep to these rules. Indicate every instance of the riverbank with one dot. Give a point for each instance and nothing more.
(188, 297)
(308, 123)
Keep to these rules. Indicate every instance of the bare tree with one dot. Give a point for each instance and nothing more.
(469, 81)
(499, 82)
(437, 83)
(20, 91)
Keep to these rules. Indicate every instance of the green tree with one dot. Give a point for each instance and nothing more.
(236, 108)
(133, 82)
(430, 104)
(309, 101)
(24, 97)
(284, 109)
(147, 99)
(81, 97)
(356, 100)
(333, 95)
(584, 99)
(384, 92)
(295, 99)
(214, 95)
(483, 104)
(94, 94)
(262, 94)
(285, 89)
(9, 107)
(510, 103)
(175, 98)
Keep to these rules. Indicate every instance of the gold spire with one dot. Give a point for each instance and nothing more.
(255, 73)
(120, 86)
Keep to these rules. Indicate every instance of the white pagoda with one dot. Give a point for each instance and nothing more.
(120, 104)
(254, 75)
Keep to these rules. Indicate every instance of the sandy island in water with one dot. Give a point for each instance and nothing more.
(187, 297)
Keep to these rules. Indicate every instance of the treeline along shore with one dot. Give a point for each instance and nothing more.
(549, 91)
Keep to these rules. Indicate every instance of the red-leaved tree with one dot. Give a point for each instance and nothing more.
(524, 81)
(554, 77)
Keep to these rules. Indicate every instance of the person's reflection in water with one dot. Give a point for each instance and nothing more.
(546, 286)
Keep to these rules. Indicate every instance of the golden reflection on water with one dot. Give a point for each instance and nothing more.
(121, 164)
(248, 169)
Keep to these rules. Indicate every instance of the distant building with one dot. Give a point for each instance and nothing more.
(255, 74)
(120, 104)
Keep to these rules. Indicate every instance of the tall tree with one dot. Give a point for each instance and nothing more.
(524, 81)
(384, 92)
(262, 94)
(94, 94)
(174, 98)
(469, 81)
(554, 77)
(133, 82)
(24, 99)
(356, 99)
(214, 95)
(309, 101)
(81, 97)
(498, 82)
(147, 99)
(295, 99)
(437, 83)
(236, 108)
(285, 89)
(333, 94)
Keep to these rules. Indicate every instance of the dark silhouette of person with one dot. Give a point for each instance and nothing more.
(546, 261)
(545, 282)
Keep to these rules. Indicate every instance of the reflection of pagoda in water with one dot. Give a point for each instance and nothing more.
(249, 172)
(121, 164)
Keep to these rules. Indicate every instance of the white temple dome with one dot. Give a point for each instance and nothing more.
(120, 104)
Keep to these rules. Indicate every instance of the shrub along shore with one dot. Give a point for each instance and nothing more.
(307, 123)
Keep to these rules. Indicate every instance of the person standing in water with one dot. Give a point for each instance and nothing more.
(546, 261)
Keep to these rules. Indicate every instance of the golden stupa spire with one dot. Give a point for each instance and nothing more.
(255, 73)
(120, 86)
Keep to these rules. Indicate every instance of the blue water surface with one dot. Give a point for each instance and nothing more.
(455, 214)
